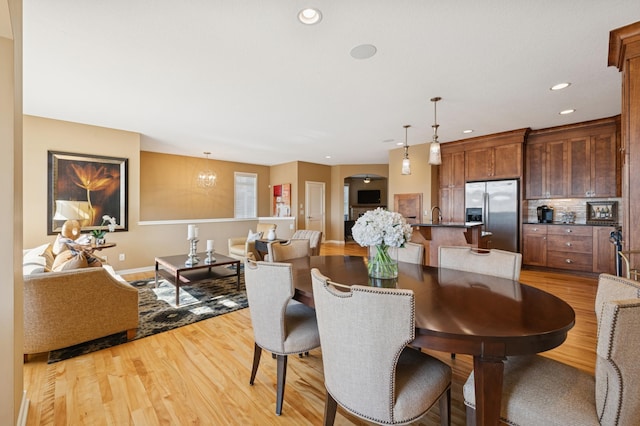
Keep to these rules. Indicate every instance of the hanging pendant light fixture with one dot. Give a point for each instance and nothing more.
(434, 150)
(206, 178)
(406, 164)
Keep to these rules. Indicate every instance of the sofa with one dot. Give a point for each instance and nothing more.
(73, 306)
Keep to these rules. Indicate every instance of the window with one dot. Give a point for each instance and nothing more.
(345, 202)
(245, 195)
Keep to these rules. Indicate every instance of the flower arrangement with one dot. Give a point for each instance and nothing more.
(111, 225)
(380, 229)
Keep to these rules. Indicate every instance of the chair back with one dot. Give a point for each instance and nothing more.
(497, 263)
(292, 249)
(411, 253)
(269, 289)
(617, 367)
(363, 330)
(314, 237)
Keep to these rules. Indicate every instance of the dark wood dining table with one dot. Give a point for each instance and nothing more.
(459, 312)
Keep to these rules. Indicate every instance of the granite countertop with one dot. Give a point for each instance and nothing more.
(572, 224)
(449, 224)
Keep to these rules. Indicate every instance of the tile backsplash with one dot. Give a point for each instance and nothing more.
(577, 205)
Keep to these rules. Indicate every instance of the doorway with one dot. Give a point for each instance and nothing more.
(315, 211)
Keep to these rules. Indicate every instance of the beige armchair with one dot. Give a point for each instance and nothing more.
(314, 237)
(540, 391)
(241, 248)
(281, 325)
(368, 368)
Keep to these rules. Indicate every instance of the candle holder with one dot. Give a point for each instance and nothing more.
(210, 259)
(192, 258)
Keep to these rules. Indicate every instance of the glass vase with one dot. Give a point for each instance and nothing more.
(383, 262)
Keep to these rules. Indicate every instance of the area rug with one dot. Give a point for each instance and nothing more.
(158, 312)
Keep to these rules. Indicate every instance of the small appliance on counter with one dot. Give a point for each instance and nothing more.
(545, 214)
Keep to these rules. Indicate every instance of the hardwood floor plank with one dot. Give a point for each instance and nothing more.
(199, 374)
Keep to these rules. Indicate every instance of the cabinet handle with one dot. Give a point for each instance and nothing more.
(568, 261)
(568, 244)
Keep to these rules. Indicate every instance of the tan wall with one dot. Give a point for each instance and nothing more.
(11, 311)
(168, 187)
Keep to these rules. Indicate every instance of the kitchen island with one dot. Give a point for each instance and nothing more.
(434, 235)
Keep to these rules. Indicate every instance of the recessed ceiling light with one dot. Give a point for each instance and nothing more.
(327, 156)
(560, 86)
(399, 143)
(364, 51)
(388, 140)
(567, 111)
(309, 16)
(468, 131)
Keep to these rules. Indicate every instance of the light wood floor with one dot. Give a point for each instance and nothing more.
(199, 374)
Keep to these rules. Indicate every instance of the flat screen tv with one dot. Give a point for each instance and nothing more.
(369, 196)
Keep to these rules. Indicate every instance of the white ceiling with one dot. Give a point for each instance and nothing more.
(248, 82)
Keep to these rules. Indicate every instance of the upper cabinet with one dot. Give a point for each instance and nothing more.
(575, 161)
(499, 162)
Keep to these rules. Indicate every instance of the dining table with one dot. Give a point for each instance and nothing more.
(461, 312)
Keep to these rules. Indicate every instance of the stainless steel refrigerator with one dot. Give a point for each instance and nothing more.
(496, 204)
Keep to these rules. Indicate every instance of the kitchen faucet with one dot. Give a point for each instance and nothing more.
(439, 214)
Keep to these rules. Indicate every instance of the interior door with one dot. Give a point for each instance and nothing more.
(314, 211)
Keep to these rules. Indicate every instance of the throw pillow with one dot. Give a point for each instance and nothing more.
(60, 244)
(33, 261)
(49, 258)
(67, 260)
(254, 235)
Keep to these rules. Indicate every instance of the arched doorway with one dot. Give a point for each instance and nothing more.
(362, 192)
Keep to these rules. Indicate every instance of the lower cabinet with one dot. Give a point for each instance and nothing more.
(572, 247)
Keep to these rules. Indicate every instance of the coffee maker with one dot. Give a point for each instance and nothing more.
(545, 214)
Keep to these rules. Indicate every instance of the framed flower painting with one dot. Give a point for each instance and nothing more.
(86, 188)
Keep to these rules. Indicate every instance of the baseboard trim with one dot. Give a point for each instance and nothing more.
(24, 410)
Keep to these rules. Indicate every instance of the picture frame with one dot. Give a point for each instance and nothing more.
(602, 212)
(86, 187)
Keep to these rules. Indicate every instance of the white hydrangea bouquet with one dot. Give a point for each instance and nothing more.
(379, 230)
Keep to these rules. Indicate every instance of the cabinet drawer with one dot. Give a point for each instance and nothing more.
(534, 229)
(585, 231)
(570, 260)
(570, 243)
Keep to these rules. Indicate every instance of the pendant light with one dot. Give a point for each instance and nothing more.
(406, 164)
(434, 150)
(206, 178)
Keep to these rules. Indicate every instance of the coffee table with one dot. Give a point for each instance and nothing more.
(175, 270)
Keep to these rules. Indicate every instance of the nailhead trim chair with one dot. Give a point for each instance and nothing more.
(281, 325)
(541, 391)
(314, 237)
(411, 253)
(497, 263)
(292, 249)
(368, 368)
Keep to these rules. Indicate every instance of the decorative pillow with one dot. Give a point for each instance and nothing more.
(67, 260)
(49, 258)
(60, 244)
(33, 261)
(254, 235)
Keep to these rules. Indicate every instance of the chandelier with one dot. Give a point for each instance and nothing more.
(434, 150)
(206, 178)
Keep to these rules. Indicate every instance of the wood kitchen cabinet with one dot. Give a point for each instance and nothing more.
(498, 162)
(571, 247)
(592, 166)
(534, 245)
(452, 186)
(545, 175)
(574, 161)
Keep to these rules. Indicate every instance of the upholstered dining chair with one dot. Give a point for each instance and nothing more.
(541, 391)
(497, 263)
(314, 237)
(292, 249)
(281, 325)
(411, 253)
(368, 368)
